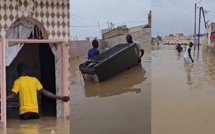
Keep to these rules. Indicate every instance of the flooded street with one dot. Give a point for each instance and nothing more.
(183, 96)
(46, 125)
(119, 105)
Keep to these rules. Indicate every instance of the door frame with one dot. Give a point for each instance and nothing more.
(2, 84)
(63, 73)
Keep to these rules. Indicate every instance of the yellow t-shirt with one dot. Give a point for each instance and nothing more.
(27, 87)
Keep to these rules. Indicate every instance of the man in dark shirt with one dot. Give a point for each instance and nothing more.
(93, 51)
(130, 40)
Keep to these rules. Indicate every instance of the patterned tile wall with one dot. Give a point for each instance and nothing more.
(53, 15)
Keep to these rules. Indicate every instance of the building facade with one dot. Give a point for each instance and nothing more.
(53, 15)
(25, 27)
(210, 40)
(179, 38)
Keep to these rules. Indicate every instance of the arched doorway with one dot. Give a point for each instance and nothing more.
(60, 50)
(39, 59)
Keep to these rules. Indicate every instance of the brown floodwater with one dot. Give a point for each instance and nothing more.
(119, 105)
(183, 96)
(46, 125)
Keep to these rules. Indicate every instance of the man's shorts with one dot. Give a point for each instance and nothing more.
(187, 60)
(29, 116)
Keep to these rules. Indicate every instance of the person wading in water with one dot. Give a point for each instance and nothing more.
(187, 55)
(27, 88)
(130, 41)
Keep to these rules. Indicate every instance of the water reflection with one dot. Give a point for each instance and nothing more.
(179, 55)
(196, 55)
(122, 83)
(156, 47)
(188, 69)
(47, 125)
(29, 129)
(118, 105)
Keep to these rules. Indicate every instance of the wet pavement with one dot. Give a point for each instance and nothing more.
(183, 96)
(46, 125)
(119, 105)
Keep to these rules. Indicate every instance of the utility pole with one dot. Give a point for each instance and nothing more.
(111, 25)
(99, 29)
(200, 9)
(195, 24)
(203, 12)
(195, 27)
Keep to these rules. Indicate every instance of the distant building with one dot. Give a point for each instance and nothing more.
(179, 35)
(210, 35)
(105, 30)
(179, 38)
(183, 39)
(115, 32)
(136, 29)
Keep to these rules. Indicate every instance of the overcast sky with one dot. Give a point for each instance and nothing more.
(89, 12)
(177, 16)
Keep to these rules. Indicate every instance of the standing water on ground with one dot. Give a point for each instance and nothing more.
(119, 105)
(183, 96)
(47, 125)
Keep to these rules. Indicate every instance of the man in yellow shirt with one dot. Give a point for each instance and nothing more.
(27, 88)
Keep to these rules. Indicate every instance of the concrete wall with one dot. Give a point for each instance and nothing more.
(136, 29)
(80, 48)
(115, 32)
(142, 37)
